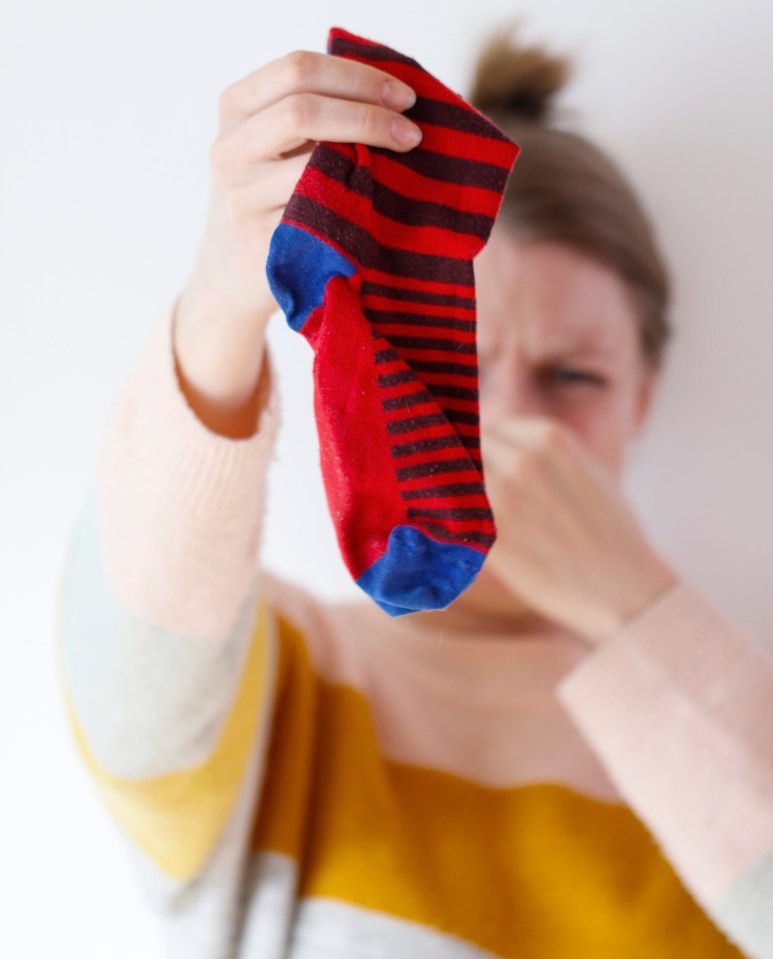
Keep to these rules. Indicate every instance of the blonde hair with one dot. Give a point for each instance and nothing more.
(563, 187)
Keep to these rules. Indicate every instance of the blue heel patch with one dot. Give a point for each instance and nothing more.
(298, 269)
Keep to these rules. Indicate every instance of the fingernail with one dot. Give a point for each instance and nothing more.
(407, 134)
(397, 95)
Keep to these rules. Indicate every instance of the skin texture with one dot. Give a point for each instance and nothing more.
(569, 553)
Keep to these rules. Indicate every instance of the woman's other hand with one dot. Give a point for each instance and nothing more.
(568, 545)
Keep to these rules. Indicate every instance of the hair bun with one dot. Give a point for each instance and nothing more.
(517, 78)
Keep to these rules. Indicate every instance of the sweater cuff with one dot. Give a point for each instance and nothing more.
(676, 705)
(679, 644)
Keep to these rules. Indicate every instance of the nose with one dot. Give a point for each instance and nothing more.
(506, 389)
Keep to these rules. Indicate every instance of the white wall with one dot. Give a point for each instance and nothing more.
(107, 112)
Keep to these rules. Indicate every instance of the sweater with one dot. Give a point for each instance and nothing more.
(296, 778)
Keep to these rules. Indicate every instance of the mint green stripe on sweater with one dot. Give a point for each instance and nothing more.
(150, 701)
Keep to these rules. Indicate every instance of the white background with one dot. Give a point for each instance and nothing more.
(107, 112)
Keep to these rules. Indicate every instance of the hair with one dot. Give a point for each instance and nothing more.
(564, 188)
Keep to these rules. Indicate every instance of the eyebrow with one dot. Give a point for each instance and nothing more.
(577, 352)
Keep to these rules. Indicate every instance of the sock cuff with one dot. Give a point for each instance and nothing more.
(455, 177)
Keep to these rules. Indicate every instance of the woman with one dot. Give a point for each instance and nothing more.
(572, 759)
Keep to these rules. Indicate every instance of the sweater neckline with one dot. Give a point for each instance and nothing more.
(457, 643)
(476, 671)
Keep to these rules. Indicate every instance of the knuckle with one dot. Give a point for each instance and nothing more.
(299, 110)
(366, 121)
(523, 466)
(300, 68)
(225, 102)
(507, 461)
(366, 125)
(553, 437)
(235, 204)
(219, 155)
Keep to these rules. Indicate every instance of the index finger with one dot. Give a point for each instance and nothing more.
(307, 71)
(528, 429)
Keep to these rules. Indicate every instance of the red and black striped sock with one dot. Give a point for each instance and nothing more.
(372, 263)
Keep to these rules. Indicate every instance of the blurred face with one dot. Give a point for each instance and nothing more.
(558, 337)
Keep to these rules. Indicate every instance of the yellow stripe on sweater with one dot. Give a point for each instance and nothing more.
(177, 818)
(535, 871)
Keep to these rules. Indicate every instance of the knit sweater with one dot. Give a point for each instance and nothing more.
(294, 778)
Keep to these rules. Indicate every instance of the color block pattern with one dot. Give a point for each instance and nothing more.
(295, 779)
(372, 263)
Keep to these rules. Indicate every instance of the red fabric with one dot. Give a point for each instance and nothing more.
(395, 364)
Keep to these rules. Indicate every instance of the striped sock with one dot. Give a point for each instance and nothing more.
(372, 264)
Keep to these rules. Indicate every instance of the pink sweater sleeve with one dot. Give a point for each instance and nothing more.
(678, 705)
(185, 499)
(167, 654)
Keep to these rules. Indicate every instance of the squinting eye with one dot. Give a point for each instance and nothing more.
(567, 377)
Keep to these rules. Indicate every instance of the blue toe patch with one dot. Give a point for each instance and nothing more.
(417, 572)
(298, 268)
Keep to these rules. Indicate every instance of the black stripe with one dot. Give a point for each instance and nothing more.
(458, 512)
(472, 536)
(452, 489)
(386, 356)
(392, 204)
(394, 379)
(437, 366)
(454, 116)
(341, 168)
(448, 169)
(415, 423)
(425, 446)
(340, 47)
(404, 209)
(419, 319)
(430, 343)
(454, 392)
(365, 250)
(416, 296)
(410, 399)
(470, 441)
(433, 467)
(462, 416)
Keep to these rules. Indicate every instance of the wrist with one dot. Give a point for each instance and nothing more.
(653, 578)
(219, 351)
(224, 375)
(201, 313)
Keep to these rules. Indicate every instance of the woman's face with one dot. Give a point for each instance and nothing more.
(558, 337)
